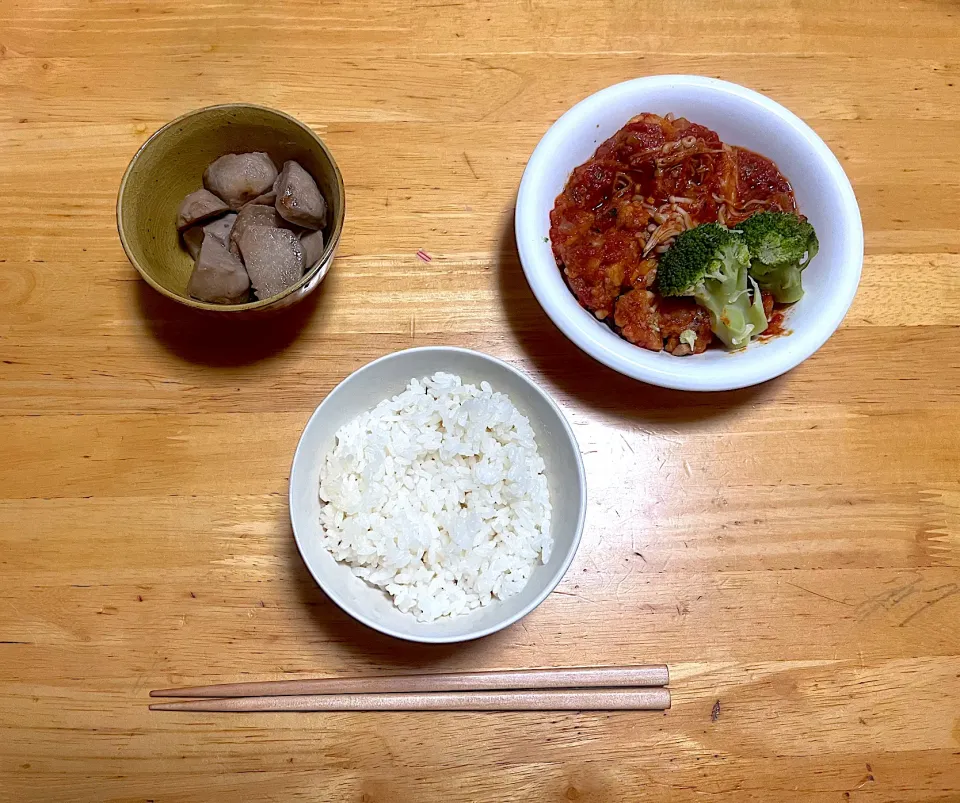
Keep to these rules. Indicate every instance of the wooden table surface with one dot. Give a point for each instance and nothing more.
(792, 550)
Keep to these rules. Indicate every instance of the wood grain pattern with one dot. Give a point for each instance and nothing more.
(792, 550)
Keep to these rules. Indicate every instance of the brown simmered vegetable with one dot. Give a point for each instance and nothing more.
(219, 228)
(273, 257)
(312, 245)
(193, 239)
(197, 207)
(298, 197)
(253, 215)
(240, 177)
(218, 276)
(269, 198)
(273, 235)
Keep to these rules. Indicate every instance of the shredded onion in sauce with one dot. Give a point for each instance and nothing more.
(627, 230)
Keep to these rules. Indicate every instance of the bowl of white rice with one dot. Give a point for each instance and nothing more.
(437, 495)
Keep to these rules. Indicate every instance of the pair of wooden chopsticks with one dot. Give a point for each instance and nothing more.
(629, 688)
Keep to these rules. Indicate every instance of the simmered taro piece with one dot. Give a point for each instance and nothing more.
(240, 177)
(197, 207)
(219, 228)
(193, 240)
(269, 198)
(312, 245)
(218, 276)
(273, 257)
(266, 243)
(299, 199)
(253, 215)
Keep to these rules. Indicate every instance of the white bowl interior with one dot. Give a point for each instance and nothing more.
(741, 117)
(386, 377)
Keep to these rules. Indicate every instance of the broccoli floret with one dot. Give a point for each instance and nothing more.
(781, 245)
(710, 263)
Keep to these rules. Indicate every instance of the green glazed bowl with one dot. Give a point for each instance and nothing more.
(170, 165)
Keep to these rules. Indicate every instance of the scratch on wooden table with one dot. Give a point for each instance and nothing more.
(470, 165)
(817, 594)
(584, 597)
(626, 577)
(886, 599)
(868, 778)
(526, 630)
(953, 590)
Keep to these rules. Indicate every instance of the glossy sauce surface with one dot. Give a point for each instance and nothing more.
(653, 179)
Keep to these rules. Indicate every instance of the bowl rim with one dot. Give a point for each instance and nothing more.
(567, 314)
(322, 265)
(551, 584)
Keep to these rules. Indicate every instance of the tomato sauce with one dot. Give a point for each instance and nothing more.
(652, 180)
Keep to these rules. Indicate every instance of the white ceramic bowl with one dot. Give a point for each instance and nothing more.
(741, 117)
(386, 377)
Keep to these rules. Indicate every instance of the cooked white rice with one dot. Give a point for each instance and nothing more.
(438, 497)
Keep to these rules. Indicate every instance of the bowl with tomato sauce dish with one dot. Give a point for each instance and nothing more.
(689, 233)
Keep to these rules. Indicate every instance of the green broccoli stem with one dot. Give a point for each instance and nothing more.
(725, 294)
(784, 281)
(736, 321)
